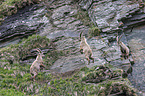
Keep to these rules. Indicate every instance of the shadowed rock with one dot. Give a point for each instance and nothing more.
(25, 22)
(107, 14)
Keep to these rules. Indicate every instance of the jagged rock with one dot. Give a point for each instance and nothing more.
(64, 23)
(24, 23)
(134, 19)
(63, 12)
(107, 14)
(113, 56)
(85, 4)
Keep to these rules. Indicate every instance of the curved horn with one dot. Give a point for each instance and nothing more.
(131, 29)
(81, 35)
(120, 37)
(38, 50)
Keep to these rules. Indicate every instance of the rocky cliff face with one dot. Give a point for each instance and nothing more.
(62, 22)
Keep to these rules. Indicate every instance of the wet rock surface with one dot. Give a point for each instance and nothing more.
(57, 22)
(136, 41)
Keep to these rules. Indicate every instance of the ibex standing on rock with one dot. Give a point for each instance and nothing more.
(123, 48)
(35, 67)
(86, 49)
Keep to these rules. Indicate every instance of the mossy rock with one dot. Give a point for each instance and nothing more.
(108, 80)
(101, 73)
(20, 51)
(117, 89)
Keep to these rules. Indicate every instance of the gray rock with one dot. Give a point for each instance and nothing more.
(64, 23)
(76, 60)
(85, 4)
(68, 64)
(131, 60)
(107, 14)
(63, 11)
(24, 23)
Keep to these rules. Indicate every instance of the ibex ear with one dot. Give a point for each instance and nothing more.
(38, 50)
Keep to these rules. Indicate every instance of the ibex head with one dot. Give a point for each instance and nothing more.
(39, 55)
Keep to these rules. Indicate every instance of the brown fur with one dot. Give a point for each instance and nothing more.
(35, 67)
(86, 49)
(123, 48)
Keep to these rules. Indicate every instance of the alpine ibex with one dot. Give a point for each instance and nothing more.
(35, 67)
(123, 48)
(86, 49)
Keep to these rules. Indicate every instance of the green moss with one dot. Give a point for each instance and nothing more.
(117, 88)
(48, 84)
(63, 87)
(73, 85)
(36, 40)
(8, 80)
(4, 60)
(52, 56)
(84, 69)
(11, 92)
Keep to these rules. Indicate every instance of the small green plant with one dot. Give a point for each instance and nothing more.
(84, 17)
(94, 31)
